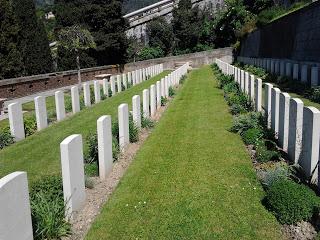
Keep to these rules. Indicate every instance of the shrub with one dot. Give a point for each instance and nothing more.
(5, 138)
(183, 79)
(52, 116)
(252, 136)
(172, 92)
(110, 92)
(146, 122)
(246, 121)
(82, 105)
(164, 101)
(48, 209)
(224, 80)
(315, 94)
(291, 202)
(68, 105)
(30, 125)
(91, 156)
(103, 97)
(272, 175)
(133, 130)
(263, 154)
(237, 109)
(91, 169)
(115, 149)
(231, 87)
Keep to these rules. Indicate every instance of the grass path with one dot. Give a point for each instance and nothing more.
(192, 179)
(39, 154)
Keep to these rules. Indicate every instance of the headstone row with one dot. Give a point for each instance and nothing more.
(296, 127)
(14, 194)
(304, 72)
(115, 84)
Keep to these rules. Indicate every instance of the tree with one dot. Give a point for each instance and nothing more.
(134, 48)
(10, 57)
(103, 18)
(74, 39)
(160, 35)
(185, 25)
(33, 41)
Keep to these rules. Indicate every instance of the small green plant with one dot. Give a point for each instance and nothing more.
(172, 92)
(82, 105)
(252, 136)
(164, 101)
(264, 153)
(110, 92)
(270, 176)
(115, 149)
(91, 155)
(146, 122)
(52, 116)
(68, 105)
(246, 121)
(103, 97)
(30, 125)
(5, 138)
(315, 94)
(183, 79)
(88, 182)
(48, 209)
(291, 202)
(91, 169)
(133, 130)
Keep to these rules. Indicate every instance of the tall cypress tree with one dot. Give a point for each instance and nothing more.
(33, 44)
(10, 58)
(185, 25)
(103, 18)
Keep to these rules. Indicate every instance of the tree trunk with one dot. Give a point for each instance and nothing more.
(78, 66)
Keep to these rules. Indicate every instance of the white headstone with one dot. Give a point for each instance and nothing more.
(314, 76)
(136, 110)
(129, 78)
(16, 121)
(251, 87)
(295, 71)
(104, 146)
(15, 213)
(310, 140)
(304, 73)
(119, 83)
(97, 93)
(258, 95)
(162, 87)
(158, 94)
(124, 80)
(275, 98)
(295, 129)
(246, 82)
(41, 112)
(282, 68)
(123, 118)
(153, 100)
(113, 85)
(267, 104)
(145, 100)
(60, 107)
(289, 69)
(75, 99)
(86, 94)
(72, 165)
(105, 87)
(284, 105)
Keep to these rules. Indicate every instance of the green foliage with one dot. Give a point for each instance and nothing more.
(88, 182)
(164, 101)
(68, 104)
(104, 21)
(5, 138)
(91, 169)
(271, 176)
(246, 121)
(91, 156)
(160, 35)
(265, 153)
(52, 116)
(268, 15)
(30, 125)
(291, 202)
(133, 130)
(10, 56)
(252, 136)
(146, 122)
(172, 91)
(48, 209)
(150, 53)
(315, 94)
(33, 40)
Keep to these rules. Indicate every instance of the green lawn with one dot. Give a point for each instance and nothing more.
(39, 154)
(192, 179)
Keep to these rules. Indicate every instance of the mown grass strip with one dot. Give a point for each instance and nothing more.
(39, 154)
(192, 179)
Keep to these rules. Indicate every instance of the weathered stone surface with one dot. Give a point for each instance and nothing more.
(97, 93)
(123, 119)
(86, 94)
(295, 129)
(119, 86)
(136, 110)
(60, 107)
(41, 112)
(267, 104)
(72, 165)
(314, 76)
(158, 94)
(15, 213)
(284, 106)
(113, 85)
(105, 86)
(124, 80)
(75, 99)
(275, 98)
(251, 87)
(104, 146)
(310, 140)
(258, 95)
(146, 104)
(153, 101)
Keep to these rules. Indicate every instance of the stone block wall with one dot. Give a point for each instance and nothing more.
(295, 36)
